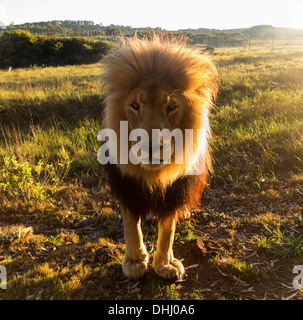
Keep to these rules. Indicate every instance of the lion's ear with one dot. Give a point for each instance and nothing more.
(119, 71)
(201, 76)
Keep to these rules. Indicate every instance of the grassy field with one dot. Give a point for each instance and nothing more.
(61, 234)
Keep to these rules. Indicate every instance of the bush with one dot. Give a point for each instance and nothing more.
(20, 49)
(26, 182)
(17, 48)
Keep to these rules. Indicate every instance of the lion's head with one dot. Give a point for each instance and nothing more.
(160, 84)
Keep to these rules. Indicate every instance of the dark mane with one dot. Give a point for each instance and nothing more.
(140, 200)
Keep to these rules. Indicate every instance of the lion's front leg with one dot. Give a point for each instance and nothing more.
(164, 263)
(136, 257)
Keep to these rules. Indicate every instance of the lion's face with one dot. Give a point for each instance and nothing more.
(155, 107)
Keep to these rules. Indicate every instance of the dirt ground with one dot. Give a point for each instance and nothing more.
(215, 244)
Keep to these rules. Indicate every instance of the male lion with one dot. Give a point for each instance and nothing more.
(158, 84)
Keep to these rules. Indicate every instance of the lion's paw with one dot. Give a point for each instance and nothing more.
(134, 269)
(173, 270)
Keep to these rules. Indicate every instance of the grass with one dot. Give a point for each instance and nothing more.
(61, 234)
(285, 243)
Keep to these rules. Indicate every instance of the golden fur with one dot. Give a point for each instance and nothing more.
(155, 74)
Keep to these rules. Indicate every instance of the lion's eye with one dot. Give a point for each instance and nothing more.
(134, 106)
(171, 108)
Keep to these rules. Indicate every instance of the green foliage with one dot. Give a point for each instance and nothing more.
(16, 48)
(62, 27)
(284, 243)
(21, 49)
(25, 181)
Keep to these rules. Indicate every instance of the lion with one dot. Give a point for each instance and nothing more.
(158, 84)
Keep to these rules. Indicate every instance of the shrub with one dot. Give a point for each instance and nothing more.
(26, 182)
(20, 49)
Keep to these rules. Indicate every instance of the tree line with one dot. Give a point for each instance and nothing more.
(74, 28)
(84, 28)
(19, 48)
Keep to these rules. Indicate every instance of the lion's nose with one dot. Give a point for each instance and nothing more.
(156, 146)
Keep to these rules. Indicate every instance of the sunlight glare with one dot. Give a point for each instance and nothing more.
(298, 17)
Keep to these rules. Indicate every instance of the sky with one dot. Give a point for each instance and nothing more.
(167, 14)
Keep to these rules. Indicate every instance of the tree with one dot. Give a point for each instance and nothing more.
(112, 31)
(258, 32)
(17, 48)
(21, 49)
